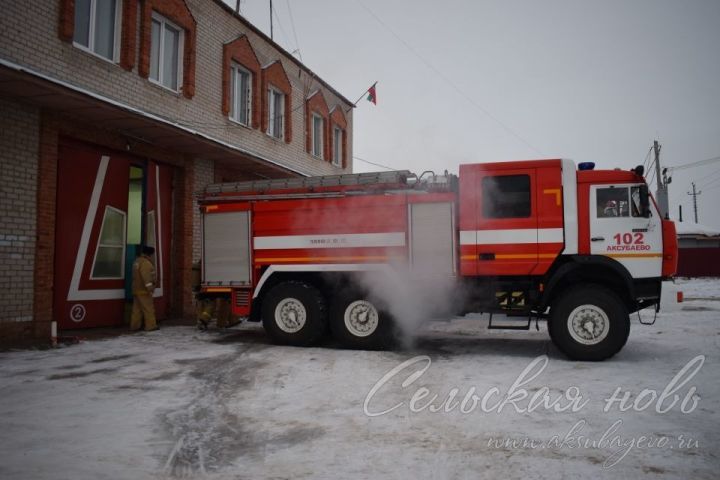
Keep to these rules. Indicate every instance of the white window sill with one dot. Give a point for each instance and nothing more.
(166, 89)
(240, 124)
(84, 49)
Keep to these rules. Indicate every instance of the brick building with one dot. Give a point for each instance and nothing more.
(113, 113)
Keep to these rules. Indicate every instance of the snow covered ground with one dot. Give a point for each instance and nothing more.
(181, 403)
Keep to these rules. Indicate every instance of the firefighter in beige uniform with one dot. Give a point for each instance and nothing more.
(143, 285)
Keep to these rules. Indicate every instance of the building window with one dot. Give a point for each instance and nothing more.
(97, 27)
(337, 147)
(506, 196)
(109, 262)
(166, 47)
(241, 94)
(317, 135)
(276, 112)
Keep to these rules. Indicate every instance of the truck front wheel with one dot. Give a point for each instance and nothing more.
(589, 323)
(357, 322)
(294, 314)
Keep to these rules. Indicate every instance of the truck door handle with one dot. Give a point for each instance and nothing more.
(486, 256)
(597, 239)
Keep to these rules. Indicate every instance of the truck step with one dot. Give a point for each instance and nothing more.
(521, 322)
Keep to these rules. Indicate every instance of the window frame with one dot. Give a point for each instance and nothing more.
(235, 69)
(99, 245)
(164, 21)
(632, 209)
(485, 191)
(337, 152)
(314, 117)
(271, 92)
(91, 32)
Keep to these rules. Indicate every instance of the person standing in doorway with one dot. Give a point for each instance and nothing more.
(143, 286)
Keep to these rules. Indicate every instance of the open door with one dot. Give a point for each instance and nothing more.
(90, 232)
(108, 204)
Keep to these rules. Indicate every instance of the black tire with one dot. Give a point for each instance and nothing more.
(295, 300)
(376, 331)
(605, 315)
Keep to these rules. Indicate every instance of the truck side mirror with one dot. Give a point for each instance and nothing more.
(644, 201)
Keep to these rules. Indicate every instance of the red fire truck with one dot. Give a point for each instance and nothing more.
(538, 239)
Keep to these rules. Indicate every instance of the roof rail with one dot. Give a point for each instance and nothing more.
(370, 178)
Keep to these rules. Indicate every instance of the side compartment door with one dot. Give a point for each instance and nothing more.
(506, 219)
(619, 232)
(226, 248)
(432, 240)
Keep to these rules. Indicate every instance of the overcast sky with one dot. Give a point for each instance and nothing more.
(481, 81)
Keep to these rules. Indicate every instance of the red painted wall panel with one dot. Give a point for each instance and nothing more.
(698, 262)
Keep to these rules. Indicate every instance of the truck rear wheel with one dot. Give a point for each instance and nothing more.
(589, 323)
(357, 322)
(294, 314)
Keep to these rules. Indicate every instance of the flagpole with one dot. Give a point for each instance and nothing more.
(363, 94)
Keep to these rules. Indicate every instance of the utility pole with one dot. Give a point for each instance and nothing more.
(680, 212)
(271, 21)
(662, 192)
(694, 194)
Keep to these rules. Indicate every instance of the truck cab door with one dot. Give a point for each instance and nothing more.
(618, 231)
(506, 219)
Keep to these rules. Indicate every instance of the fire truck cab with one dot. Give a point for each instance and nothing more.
(537, 239)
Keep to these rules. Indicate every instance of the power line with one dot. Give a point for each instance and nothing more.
(274, 11)
(712, 174)
(712, 182)
(447, 80)
(695, 164)
(647, 159)
(373, 163)
(292, 25)
(652, 178)
(651, 172)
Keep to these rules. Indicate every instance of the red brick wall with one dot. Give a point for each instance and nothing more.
(128, 38)
(181, 296)
(178, 12)
(45, 246)
(699, 262)
(274, 74)
(241, 51)
(67, 20)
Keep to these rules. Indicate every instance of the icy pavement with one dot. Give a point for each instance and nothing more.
(181, 403)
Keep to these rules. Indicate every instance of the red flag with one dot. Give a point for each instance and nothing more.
(372, 95)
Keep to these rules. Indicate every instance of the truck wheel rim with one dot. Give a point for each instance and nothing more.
(290, 315)
(361, 318)
(588, 324)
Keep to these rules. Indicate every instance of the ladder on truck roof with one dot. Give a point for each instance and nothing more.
(370, 178)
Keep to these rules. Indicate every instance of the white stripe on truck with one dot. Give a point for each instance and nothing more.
(511, 236)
